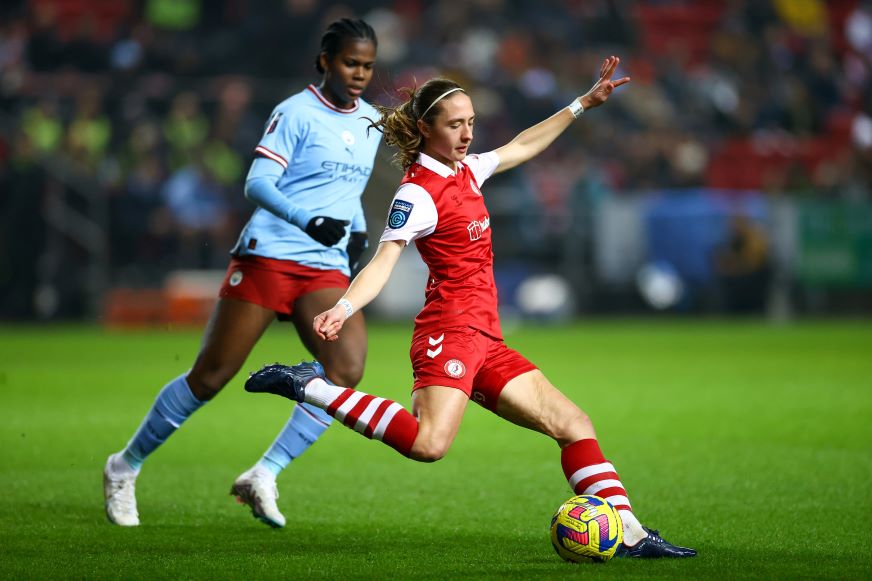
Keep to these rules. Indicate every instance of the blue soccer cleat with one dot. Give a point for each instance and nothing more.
(285, 380)
(653, 547)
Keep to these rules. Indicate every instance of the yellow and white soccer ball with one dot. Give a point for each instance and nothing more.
(585, 529)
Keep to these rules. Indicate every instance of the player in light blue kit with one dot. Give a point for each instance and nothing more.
(292, 261)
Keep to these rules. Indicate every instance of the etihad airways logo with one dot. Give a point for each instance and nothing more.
(347, 172)
(477, 227)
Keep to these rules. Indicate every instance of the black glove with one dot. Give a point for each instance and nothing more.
(327, 231)
(357, 243)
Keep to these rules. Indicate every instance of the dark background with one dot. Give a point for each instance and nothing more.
(732, 176)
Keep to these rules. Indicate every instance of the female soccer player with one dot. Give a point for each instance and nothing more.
(457, 348)
(291, 261)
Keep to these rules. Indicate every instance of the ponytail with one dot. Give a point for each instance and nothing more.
(400, 124)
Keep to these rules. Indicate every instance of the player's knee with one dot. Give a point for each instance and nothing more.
(346, 373)
(572, 425)
(427, 454)
(429, 451)
(205, 384)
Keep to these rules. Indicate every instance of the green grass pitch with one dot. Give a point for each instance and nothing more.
(750, 442)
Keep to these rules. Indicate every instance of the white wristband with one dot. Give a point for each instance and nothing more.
(346, 304)
(576, 108)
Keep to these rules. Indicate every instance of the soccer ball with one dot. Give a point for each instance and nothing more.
(586, 529)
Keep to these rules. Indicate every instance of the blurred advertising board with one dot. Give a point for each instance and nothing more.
(835, 243)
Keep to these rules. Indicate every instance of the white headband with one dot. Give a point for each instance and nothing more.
(439, 98)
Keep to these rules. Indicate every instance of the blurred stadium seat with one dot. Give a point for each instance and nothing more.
(113, 111)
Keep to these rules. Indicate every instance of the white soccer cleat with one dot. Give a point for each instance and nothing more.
(256, 487)
(119, 491)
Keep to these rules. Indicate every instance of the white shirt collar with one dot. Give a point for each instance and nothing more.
(436, 166)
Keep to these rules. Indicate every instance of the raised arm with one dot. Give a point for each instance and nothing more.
(531, 142)
(364, 288)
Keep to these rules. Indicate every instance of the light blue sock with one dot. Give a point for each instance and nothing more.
(306, 425)
(174, 404)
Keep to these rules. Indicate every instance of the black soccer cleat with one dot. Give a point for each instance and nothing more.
(285, 380)
(653, 547)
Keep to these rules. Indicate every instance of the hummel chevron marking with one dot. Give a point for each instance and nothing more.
(434, 352)
(436, 341)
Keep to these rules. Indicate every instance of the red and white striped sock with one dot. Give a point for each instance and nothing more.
(588, 472)
(374, 417)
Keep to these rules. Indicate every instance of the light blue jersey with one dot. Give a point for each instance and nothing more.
(327, 158)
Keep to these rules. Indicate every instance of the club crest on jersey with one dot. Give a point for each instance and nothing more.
(235, 278)
(477, 227)
(348, 138)
(399, 214)
(455, 368)
(273, 122)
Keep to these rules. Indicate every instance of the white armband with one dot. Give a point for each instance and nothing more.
(576, 108)
(346, 304)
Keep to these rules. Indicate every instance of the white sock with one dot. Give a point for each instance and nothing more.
(321, 394)
(633, 531)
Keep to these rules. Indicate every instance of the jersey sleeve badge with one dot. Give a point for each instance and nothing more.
(399, 214)
(273, 123)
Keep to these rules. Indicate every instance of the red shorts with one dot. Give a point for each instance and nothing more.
(275, 284)
(469, 360)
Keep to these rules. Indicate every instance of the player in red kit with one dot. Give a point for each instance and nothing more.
(457, 350)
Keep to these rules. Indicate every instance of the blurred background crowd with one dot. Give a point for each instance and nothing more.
(733, 174)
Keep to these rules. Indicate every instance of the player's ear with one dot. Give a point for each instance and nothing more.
(323, 61)
(423, 128)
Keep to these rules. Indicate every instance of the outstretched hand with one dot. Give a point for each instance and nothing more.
(601, 90)
(328, 324)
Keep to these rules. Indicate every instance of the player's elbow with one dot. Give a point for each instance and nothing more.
(259, 189)
(250, 190)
